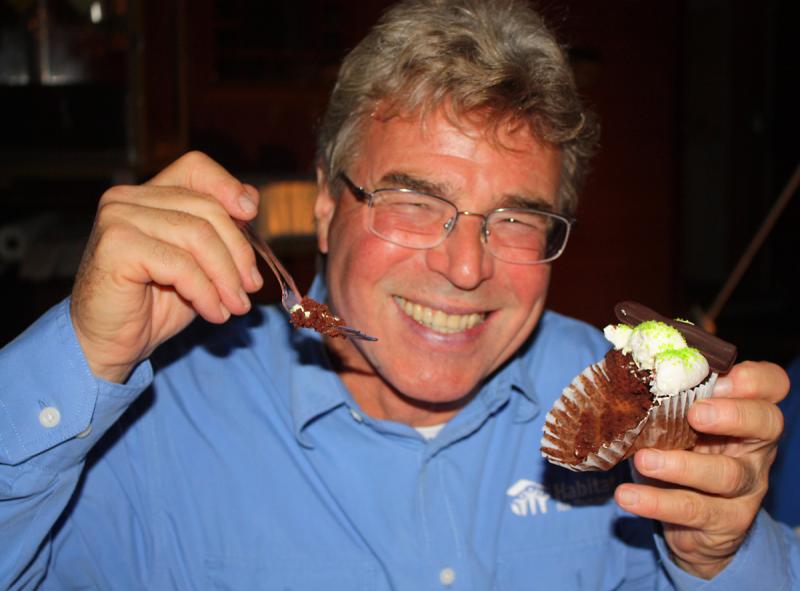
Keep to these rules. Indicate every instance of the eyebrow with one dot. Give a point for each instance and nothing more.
(526, 202)
(401, 180)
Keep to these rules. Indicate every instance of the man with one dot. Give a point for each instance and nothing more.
(251, 455)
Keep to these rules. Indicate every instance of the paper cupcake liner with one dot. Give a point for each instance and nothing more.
(664, 426)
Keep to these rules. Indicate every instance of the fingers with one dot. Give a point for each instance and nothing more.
(199, 173)
(754, 379)
(193, 220)
(174, 267)
(743, 418)
(710, 473)
(683, 507)
(183, 251)
(146, 261)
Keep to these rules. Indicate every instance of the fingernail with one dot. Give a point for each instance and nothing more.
(705, 413)
(225, 312)
(244, 298)
(247, 204)
(723, 387)
(652, 460)
(628, 497)
(257, 279)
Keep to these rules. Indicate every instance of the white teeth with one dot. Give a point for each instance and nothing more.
(417, 315)
(438, 320)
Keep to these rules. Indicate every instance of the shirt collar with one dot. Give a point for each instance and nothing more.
(510, 385)
(315, 389)
(519, 379)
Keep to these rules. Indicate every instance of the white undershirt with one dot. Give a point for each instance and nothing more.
(430, 431)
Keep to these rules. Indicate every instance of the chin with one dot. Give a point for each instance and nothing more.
(437, 391)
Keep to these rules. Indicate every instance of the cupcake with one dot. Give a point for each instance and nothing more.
(638, 395)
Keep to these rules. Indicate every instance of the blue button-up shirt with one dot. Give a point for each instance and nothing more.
(237, 459)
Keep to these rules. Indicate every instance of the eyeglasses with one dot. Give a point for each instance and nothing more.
(409, 218)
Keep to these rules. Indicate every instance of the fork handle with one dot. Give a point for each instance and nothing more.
(284, 277)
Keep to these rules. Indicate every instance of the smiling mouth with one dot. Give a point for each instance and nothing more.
(438, 320)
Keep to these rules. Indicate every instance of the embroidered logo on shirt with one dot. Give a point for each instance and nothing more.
(530, 498)
(584, 489)
(570, 490)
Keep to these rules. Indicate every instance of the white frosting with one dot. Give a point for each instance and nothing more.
(659, 347)
(651, 338)
(297, 307)
(678, 370)
(619, 335)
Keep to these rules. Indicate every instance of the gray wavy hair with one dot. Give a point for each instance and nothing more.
(495, 58)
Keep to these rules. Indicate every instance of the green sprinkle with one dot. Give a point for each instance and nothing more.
(687, 355)
(659, 330)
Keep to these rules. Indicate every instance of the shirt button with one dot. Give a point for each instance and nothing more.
(356, 416)
(447, 576)
(49, 417)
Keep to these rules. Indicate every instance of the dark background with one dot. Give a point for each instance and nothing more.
(696, 97)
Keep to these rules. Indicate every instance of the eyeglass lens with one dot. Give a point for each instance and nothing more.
(416, 220)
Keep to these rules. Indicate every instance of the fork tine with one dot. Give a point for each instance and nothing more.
(356, 334)
(289, 289)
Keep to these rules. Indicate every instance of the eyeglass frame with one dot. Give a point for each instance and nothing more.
(368, 197)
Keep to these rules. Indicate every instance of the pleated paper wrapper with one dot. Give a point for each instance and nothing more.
(664, 426)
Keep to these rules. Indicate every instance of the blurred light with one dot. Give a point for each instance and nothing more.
(96, 12)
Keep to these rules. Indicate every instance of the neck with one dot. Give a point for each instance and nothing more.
(379, 399)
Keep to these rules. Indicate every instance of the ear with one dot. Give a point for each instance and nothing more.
(324, 208)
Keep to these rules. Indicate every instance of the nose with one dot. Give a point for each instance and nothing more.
(462, 258)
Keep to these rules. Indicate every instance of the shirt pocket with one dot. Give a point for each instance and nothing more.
(226, 573)
(590, 565)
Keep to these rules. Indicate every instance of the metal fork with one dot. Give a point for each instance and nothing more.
(290, 295)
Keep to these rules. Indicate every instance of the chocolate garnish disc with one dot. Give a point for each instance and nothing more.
(720, 354)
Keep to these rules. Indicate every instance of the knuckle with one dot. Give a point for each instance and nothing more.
(111, 234)
(203, 231)
(170, 257)
(775, 422)
(761, 477)
(194, 157)
(760, 379)
(192, 231)
(211, 207)
(203, 238)
(739, 414)
(735, 479)
(117, 193)
(746, 377)
(691, 511)
(176, 217)
(111, 210)
(243, 251)
(783, 384)
(204, 205)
